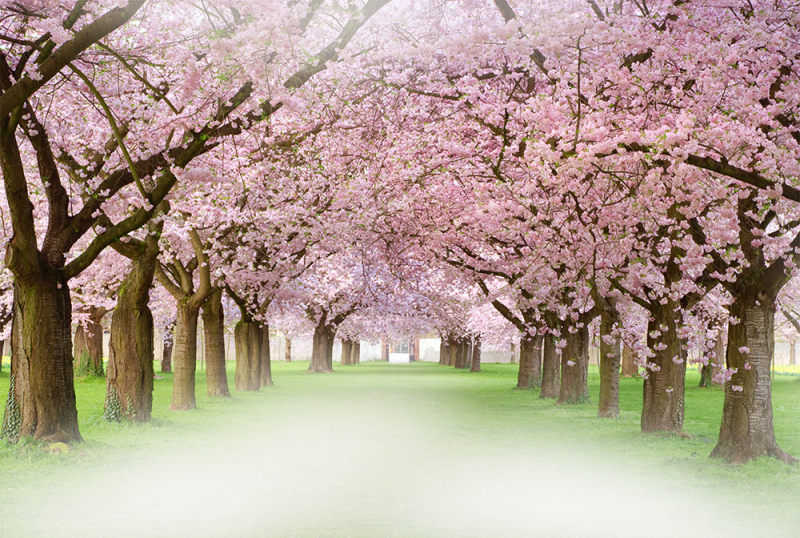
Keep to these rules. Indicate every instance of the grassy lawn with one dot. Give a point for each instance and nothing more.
(429, 418)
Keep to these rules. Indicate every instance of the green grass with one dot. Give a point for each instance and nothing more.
(465, 410)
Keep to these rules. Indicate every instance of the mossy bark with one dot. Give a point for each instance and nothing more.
(88, 345)
(41, 400)
(214, 338)
(129, 382)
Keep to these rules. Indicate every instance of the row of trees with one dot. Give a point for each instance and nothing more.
(372, 169)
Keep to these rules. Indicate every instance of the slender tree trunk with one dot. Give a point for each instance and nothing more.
(288, 350)
(356, 352)
(185, 357)
(575, 367)
(513, 353)
(41, 396)
(214, 334)
(550, 369)
(476, 355)
(444, 351)
(608, 402)
(347, 350)
(167, 340)
(716, 363)
(792, 353)
(747, 429)
(248, 355)
(88, 345)
(319, 350)
(384, 351)
(266, 357)
(129, 383)
(629, 368)
(663, 389)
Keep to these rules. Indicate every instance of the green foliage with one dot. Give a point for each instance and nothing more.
(12, 418)
(113, 411)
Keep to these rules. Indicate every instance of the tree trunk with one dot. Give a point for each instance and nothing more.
(167, 340)
(792, 353)
(608, 402)
(462, 350)
(629, 368)
(663, 389)
(185, 357)
(530, 369)
(41, 396)
(214, 338)
(444, 351)
(476, 355)
(266, 358)
(747, 429)
(347, 350)
(708, 372)
(550, 366)
(384, 351)
(513, 353)
(356, 352)
(88, 345)
(319, 350)
(288, 350)
(575, 367)
(2, 349)
(129, 383)
(248, 355)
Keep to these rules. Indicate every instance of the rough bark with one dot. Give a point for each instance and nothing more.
(476, 355)
(185, 356)
(167, 340)
(663, 388)
(574, 366)
(629, 368)
(550, 369)
(214, 338)
(530, 362)
(609, 364)
(747, 428)
(41, 397)
(608, 401)
(266, 358)
(247, 335)
(347, 349)
(88, 345)
(129, 382)
(462, 352)
(321, 347)
(288, 350)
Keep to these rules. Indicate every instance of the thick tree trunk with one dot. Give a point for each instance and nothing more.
(347, 350)
(747, 429)
(355, 351)
(476, 355)
(248, 355)
(705, 375)
(266, 358)
(41, 396)
(323, 342)
(129, 383)
(575, 367)
(663, 389)
(185, 357)
(529, 373)
(88, 345)
(214, 338)
(629, 368)
(462, 353)
(167, 342)
(608, 402)
(550, 367)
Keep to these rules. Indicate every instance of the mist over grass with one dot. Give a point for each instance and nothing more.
(398, 450)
